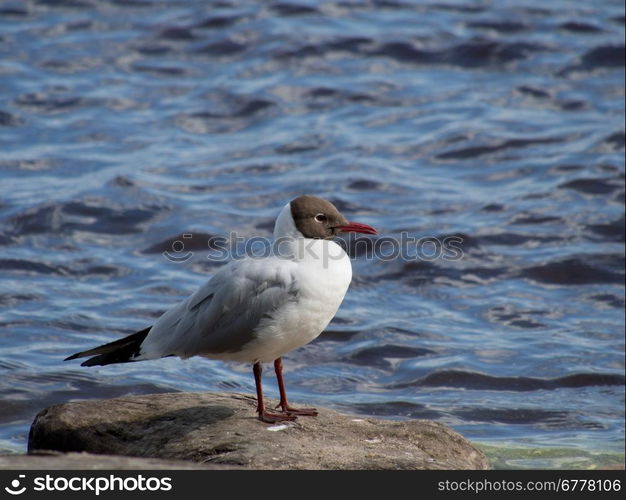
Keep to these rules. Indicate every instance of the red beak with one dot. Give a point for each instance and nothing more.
(357, 227)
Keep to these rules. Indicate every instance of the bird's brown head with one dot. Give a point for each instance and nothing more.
(320, 219)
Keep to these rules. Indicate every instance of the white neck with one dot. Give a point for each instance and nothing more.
(284, 226)
(292, 244)
(287, 238)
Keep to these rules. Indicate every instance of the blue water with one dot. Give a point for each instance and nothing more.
(126, 124)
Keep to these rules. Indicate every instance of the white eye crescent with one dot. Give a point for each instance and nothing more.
(320, 217)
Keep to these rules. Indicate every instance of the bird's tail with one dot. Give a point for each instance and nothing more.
(119, 351)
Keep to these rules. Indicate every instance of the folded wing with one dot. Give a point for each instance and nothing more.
(223, 314)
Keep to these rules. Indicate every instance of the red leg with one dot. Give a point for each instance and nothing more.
(264, 415)
(284, 404)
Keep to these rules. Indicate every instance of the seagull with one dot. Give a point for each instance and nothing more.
(255, 310)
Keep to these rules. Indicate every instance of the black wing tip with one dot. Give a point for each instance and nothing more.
(95, 361)
(118, 351)
(109, 359)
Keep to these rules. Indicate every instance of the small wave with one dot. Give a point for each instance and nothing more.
(226, 47)
(395, 409)
(606, 56)
(615, 142)
(68, 4)
(32, 267)
(350, 45)
(580, 27)
(302, 145)
(95, 216)
(560, 419)
(525, 218)
(10, 120)
(231, 113)
(324, 97)
(15, 11)
(218, 22)
(423, 273)
(518, 239)
(602, 57)
(187, 241)
(610, 231)
(608, 300)
(477, 151)
(499, 26)
(50, 103)
(459, 7)
(22, 403)
(336, 335)
(581, 270)
(378, 356)
(533, 92)
(592, 186)
(292, 9)
(80, 268)
(366, 185)
(519, 318)
(9, 300)
(479, 381)
(176, 34)
(473, 54)
(161, 70)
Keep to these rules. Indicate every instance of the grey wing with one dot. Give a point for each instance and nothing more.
(222, 315)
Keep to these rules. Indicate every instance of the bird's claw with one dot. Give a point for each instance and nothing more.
(272, 418)
(302, 412)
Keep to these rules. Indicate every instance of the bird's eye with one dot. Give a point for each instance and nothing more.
(320, 218)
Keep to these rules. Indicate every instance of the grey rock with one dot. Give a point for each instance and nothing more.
(87, 461)
(222, 429)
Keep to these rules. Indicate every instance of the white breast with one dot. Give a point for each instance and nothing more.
(323, 274)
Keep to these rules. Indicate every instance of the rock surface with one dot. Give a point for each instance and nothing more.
(218, 428)
(88, 461)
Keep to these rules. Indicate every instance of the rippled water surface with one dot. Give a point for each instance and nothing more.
(126, 124)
